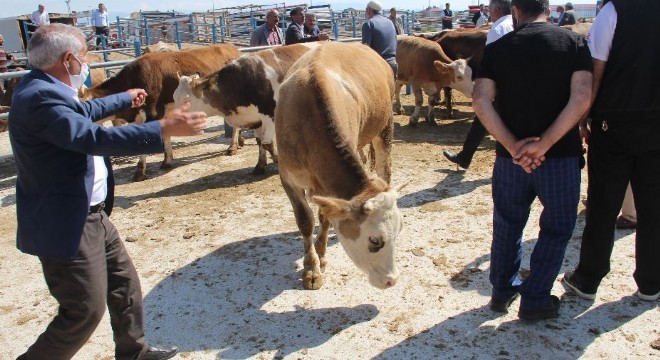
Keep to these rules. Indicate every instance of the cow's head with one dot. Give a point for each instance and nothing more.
(459, 74)
(367, 227)
(185, 92)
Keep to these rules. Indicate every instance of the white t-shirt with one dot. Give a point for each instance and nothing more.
(40, 18)
(96, 173)
(601, 33)
(99, 19)
(500, 28)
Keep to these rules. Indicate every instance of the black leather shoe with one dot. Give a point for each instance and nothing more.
(456, 159)
(502, 306)
(22, 357)
(578, 286)
(549, 311)
(159, 354)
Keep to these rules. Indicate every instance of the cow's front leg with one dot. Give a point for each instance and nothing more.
(450, 110)
(312, 277)
(419, 98)
(321, 243)
(233, 145)
(261, 162)
(433, 100)
(169, 156)
(396, 106)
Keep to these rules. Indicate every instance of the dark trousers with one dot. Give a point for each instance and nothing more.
(557, 185)
(102, 31)
(102, 273)
(474, 137)
(626, 151)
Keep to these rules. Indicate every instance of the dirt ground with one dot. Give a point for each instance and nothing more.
(220, 260)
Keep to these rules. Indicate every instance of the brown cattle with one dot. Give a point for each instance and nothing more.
(158, 74)
(331, 106)
(466, 44)
(250, 105)
(98, 75)
(424, 65)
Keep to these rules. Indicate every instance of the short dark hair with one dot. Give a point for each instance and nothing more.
(296, 10)
(532, 7)
(504, 6)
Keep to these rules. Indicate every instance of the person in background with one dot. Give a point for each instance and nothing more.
(4, 57)
(40, 16)
(560, 13)
(295, 33)
(447, 18)
(268, 33)
(379, 34)
(478, 14)
(623, 148)
(65, 193)
(503, 23)
(568, 17)
(483, 19)
(537, 152)
(396, 20)
(100, 24)
(311, 29)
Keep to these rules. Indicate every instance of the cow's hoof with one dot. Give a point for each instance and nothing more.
(139, 177)
(312, 280)
(431, 121)
(398, 111)
(450, 115)
(165, 165)
(259, 170)
(241, 141)
(231, 152)
(275, 158)
(413, 121)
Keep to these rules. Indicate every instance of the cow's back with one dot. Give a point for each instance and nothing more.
(415, 57)
(330, 105)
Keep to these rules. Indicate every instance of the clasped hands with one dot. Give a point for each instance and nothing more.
(529, 153)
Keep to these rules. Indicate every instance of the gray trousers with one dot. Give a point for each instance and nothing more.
(102, 273)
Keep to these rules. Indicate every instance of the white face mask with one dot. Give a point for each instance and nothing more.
(78, 80)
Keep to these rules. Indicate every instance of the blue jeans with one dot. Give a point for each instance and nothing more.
(557, 185)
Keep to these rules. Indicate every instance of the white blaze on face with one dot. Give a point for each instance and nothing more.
(184, 93)
(463, 77)
(374, 248)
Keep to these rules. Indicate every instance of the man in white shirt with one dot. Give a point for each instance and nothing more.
(500, 12)
(40, 17)
(100, 23)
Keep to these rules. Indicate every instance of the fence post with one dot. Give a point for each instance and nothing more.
(192, 27)
(354, 27)
(222, 28)
(120, 33)
(146, 31)
(178, 36)
(137, 47)
(27, 33)
(214, 34)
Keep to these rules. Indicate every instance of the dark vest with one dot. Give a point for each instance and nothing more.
(630, 88)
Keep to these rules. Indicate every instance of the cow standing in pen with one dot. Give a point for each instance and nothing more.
(330, 107)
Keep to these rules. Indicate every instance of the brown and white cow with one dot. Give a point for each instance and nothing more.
(330, 106)
(244, 92)
(424, 65)
(466, 43)
(158, 74)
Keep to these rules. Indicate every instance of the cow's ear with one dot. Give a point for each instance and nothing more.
(333, 208)
(443, 69)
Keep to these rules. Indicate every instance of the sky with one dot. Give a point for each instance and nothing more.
(124, 7)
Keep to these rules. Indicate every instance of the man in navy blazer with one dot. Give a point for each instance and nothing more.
(64, 194)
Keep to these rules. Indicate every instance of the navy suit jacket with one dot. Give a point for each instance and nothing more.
(53, 139)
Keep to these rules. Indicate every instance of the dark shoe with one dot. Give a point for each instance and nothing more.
(159, 354)
(502, 306)
(623, 223)
(579, 287)
(456, 159)
(22, 357)
(549, 311)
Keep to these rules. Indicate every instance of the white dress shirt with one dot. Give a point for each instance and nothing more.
(500, 28)
(601, 32)
(40, 18)
(99, 19)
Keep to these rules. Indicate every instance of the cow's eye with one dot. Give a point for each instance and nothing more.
(374, 241)
(460, 78)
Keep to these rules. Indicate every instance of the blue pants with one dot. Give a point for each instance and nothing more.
(557, 185)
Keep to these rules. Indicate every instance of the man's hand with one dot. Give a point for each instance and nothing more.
(137, 97)
(323, 36)
(181, 122)
(528, 153)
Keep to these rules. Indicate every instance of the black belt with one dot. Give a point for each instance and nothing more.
(97, 208)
